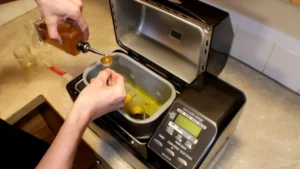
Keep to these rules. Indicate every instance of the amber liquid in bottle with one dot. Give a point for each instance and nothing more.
(70, 35)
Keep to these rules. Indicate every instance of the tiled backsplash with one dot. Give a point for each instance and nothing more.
(11, 10)
(266, 42)
(284, 66)
(251, 49)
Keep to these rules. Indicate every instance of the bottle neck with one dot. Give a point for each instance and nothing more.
(85, 47)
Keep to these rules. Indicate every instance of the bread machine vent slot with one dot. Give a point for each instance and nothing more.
(176, 34)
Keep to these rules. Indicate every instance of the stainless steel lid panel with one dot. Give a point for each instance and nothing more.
(163, 36)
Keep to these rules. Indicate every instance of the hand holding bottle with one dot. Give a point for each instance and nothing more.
(55, 11)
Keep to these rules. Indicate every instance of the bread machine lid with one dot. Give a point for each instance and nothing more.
(172, 40)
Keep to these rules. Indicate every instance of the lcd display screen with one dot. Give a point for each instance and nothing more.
(188, 125)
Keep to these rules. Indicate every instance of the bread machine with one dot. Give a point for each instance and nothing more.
(174, 50)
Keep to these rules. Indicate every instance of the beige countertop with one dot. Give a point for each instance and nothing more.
(267, 136)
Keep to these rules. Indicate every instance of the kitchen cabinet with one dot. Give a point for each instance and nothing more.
(44, 123)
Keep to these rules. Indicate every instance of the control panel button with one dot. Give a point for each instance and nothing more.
(170, 152)
(182, 161)
(173, 145)
(172, 115)
(188, 144)
(178, 138)
(193, 140)
(166, 157)
(158, 142)
(170, 143)
(186, 155)
(176, 147)
(184, 148)
(161, 136)
(170, 130)
(180, 145)
(176, 142)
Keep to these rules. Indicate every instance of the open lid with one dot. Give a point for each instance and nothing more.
(169, 38)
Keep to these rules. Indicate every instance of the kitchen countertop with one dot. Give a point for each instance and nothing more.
(267, 135)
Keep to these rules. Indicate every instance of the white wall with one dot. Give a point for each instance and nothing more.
(10, 11)
(267, 37)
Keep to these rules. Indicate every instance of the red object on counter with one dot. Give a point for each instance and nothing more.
(59, 72)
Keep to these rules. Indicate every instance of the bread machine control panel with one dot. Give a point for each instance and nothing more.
(183, 137)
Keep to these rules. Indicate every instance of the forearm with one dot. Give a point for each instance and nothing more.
(61, 153)
(94, 101)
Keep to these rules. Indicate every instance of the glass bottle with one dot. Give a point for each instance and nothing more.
(73, 40)
(71, 35)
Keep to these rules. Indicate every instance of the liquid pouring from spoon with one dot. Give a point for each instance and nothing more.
(106, 60)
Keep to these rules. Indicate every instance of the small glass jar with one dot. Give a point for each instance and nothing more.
(25, 58)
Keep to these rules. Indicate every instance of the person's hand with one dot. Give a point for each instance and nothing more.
(99, 98)
(54, 11)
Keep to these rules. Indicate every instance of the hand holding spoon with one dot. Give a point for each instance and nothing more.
(106, 60)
